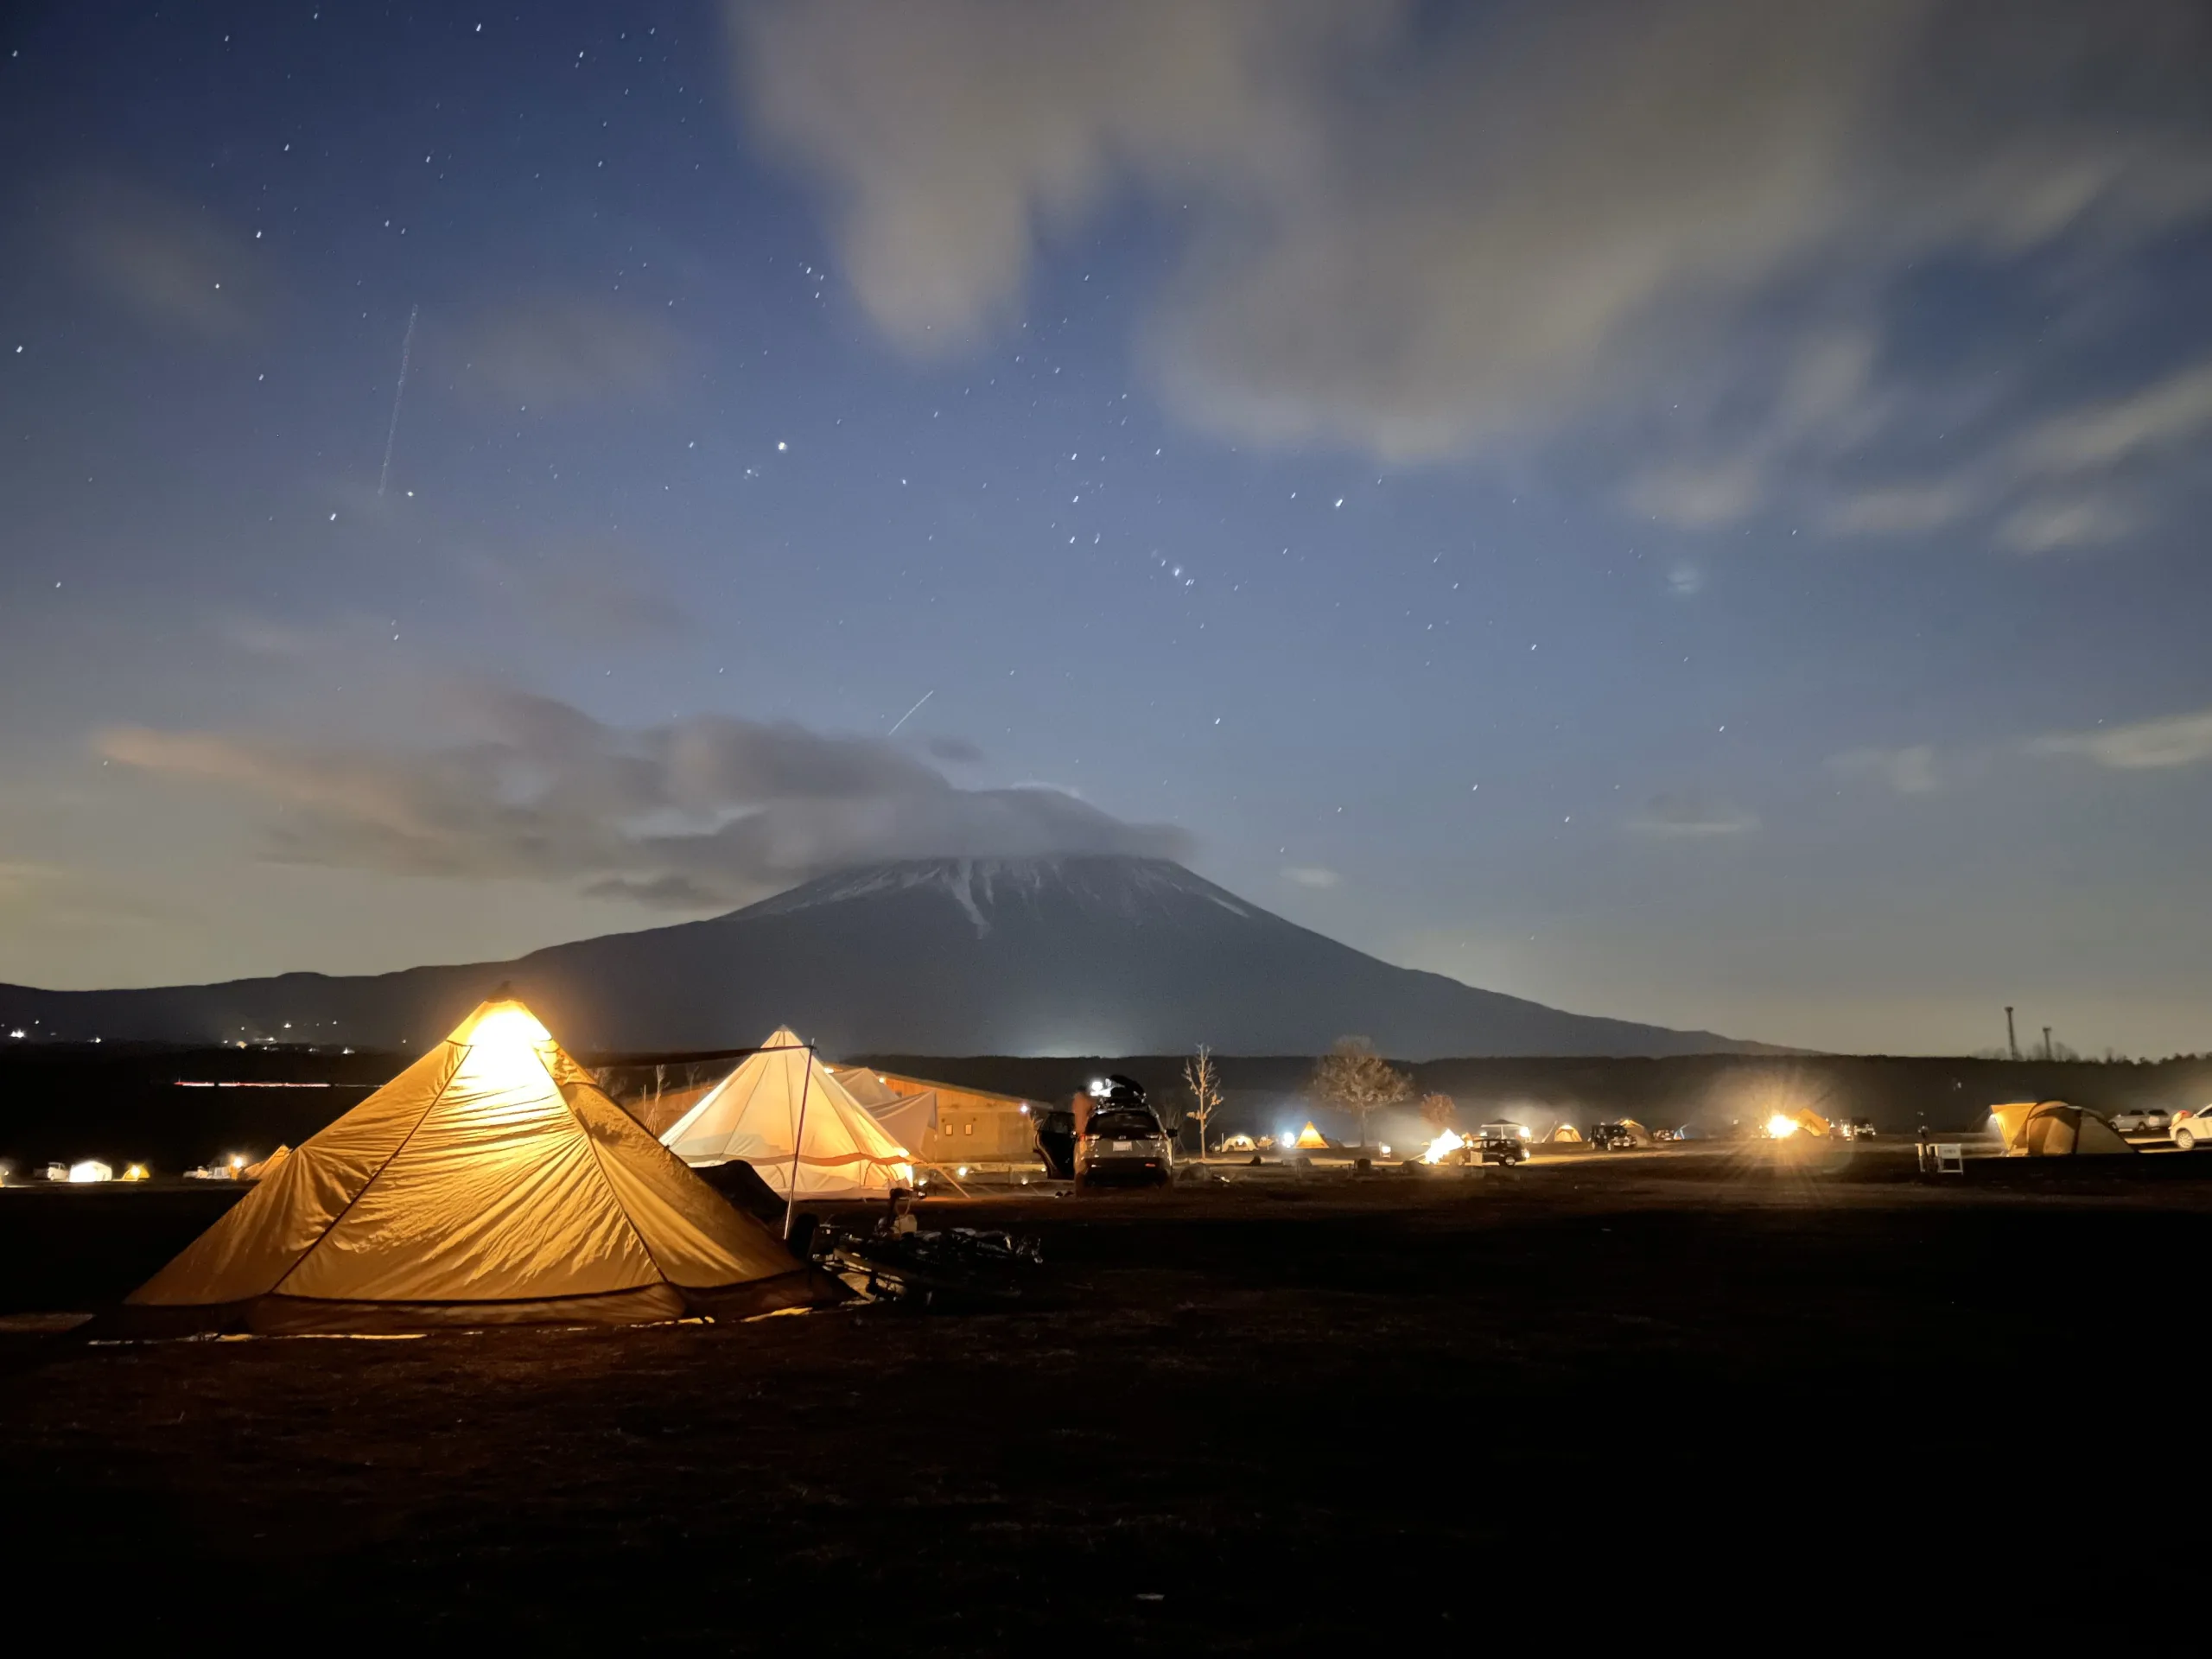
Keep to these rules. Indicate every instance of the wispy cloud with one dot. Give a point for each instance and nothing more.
(174, 266)
(561, 352)
(2050, 523)
(695, 813)
(1902, 509)
(1909, 771)
(589, 595)
(1310, 875)
(2163, 414)
(1429, 241)
(2145, 745)
(1688, 815)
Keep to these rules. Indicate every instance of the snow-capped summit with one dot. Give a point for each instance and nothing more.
(1117, 886)
(1092, 954)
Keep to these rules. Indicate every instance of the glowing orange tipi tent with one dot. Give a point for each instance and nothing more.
(490, 1183)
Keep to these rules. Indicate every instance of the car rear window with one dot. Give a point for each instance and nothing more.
(1122, 1126)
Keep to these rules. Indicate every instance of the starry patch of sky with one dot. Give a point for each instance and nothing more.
(1690, 511)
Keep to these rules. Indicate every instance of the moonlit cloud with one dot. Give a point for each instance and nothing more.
(2050, 523)
(561, 352)
(1310, 875)
(695, 814)
(1909, 771)
(2166, 413)
(1688, 815)
(174, 266)
(1422, 246)
(2159, 745)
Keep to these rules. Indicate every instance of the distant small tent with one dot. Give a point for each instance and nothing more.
(1637, 1132)
(755, 1115)
(1310, 1138)
(490, 1183)
(2052, 1128)
(1239, 1142)
(267, 1166)
(1565, 1132)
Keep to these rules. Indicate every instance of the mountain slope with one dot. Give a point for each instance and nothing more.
(1063, 955)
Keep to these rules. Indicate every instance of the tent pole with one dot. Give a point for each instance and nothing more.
(798, 1141)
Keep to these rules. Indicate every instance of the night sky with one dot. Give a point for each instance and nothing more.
(1690, 510)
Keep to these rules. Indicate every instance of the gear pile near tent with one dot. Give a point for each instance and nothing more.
(2051, 1129)
(754, 1116)
(490, 1183)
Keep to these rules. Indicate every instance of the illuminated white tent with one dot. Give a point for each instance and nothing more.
(490, 1183)
(752, 1116)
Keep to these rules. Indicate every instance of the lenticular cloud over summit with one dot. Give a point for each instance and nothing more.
(696, 814)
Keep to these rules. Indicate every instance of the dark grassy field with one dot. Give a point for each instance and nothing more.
(1694, 1391)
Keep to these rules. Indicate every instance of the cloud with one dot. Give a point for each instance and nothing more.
(695, 813)
(2147, 746)
(1686, 815)
(176, 267)
(954, 751)
(2050, 523)
(2166, 413)
(560, 351)
(1699, 497)
(590, 595)
(1311, 875)
(1902, 509)
(1422, 234)
(1908, 770)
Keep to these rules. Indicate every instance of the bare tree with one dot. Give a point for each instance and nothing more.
(1202, 1077)
(1353, 1075)
(1439, 1112)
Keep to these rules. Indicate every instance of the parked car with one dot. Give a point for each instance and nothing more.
(1856, 1129)
(2191, 1125)
(1123, 1143)
(2142, 1120)
(1610, 1137)
(1506, 1144)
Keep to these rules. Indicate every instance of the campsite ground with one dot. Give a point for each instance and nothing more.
(1249, 1419)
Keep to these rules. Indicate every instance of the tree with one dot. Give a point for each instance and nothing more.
(1439, 1112)
(1353, 1075)
(1202, 1078)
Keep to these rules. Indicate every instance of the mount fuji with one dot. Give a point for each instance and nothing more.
(1074, 956)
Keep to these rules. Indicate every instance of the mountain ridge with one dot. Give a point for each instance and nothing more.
(1077, 955)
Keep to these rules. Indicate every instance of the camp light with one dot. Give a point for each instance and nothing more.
(509, 1027)
(1781, 1126)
